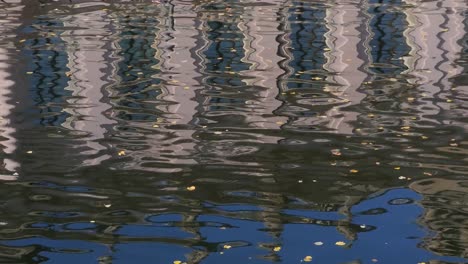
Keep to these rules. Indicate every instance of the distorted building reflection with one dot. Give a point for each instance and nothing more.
(8, 141)
(91, 64)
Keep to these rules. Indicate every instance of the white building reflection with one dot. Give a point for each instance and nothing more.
(433, 33)
(346, 57)
(7, 129)
(91, 69)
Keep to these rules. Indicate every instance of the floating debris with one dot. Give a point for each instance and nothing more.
(340, 243)
(191, 188)
(307, 259)
(318, 243)
(353, 171)
(276, 249)
(227, 246)
(336, 152)
(121, 153)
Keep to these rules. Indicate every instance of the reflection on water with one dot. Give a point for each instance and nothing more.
(298, 123)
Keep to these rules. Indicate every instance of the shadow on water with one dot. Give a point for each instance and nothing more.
(233, 131)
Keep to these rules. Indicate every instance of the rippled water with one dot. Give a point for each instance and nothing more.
(233, 131)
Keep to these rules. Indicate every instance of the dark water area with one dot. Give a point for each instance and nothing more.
(269, 131)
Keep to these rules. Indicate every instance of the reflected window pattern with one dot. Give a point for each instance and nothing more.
(137, 68)
(307, 44)
(48, 71)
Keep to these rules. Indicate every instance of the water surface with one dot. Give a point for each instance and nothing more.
(233, 131)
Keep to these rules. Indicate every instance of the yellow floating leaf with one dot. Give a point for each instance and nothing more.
(227, 246)
(191, 188)
(155, 126)
(307, 259)
(29, 72)
(121, 153)
(29, 152)
(353, 171)
(276, 249)
(405, 128)
(397, 168)
(424, 137)
(340, 243)
(177, 262)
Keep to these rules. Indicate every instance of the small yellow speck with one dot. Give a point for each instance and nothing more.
(397, 168)
(276, 249)
(29, 72)
(308, 259)
(227, 246)
(177, 262)
(318, 243)
(186, 87)
(191, 188)
(29, 152)
(449, 101)
(424, 137)
(121, 153)
(155, 126)
(405, 128)
(340, 243)
(353, 171)
(68, 74)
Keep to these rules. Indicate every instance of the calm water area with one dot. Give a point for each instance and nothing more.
(234, 131)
